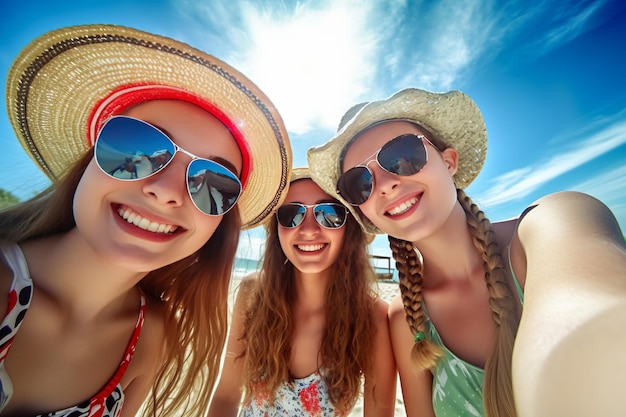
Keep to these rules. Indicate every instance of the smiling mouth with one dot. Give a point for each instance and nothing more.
(403, 207)
(311, 248)
(143, 223)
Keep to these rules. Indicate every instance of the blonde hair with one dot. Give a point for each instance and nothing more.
(194, 292)
(497, 385)
(347, 343)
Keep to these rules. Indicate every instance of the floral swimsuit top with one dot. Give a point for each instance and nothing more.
(106, 403)
(303, 397)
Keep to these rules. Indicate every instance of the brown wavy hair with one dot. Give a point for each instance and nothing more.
(497, 385)
(193, 292)
(347, 343)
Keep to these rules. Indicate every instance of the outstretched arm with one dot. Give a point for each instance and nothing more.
(570, 351)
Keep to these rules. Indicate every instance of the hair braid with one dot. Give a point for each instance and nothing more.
(424, 353)
(497, 386)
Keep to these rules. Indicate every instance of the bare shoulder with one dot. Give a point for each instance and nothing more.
(249, 282)
(381, 308)
(396, 311)
(247, 286)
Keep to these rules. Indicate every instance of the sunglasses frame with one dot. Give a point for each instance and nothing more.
(374, 157)
(177, 149)
(313, 206)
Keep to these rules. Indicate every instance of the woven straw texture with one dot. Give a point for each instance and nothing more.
(57, 86)
(452, 117)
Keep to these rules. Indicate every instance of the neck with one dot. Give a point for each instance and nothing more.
(450, 253)
(311, 288)
(77, 280)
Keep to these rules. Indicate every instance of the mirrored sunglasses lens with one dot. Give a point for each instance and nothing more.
(291, 215)
(212, 187)
(404, 155)
(355, 185)
(331, 216)
(130, 149)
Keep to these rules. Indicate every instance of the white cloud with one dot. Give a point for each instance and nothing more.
(457, 33)
(517, 184)
(572, 20)
(316, 59)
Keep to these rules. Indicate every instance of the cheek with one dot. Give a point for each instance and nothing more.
(206, 225)
(337, 237)
(368, 209)
(87, 191)
(283, 236)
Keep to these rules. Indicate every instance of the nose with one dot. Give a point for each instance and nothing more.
(383, 182)
(309, 225)
(168, 187)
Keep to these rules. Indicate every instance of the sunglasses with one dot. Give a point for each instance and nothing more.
(327, 215)
(130, 149)
(404, 155)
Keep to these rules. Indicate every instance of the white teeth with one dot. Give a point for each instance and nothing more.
(143, 223)
(403, 207)
(310, 248)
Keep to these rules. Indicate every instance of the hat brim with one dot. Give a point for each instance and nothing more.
(64, 85)
(452, 117)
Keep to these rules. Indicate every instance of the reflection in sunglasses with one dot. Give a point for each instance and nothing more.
(327, 215)
(122, 148)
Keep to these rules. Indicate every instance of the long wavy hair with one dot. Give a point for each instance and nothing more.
(347, 342)
(193, 292)
(497, 386)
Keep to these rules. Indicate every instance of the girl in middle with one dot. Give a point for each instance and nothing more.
(308, 327)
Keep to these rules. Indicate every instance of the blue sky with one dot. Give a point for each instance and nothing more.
(549, 78)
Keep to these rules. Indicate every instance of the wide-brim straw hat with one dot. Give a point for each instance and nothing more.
(65, 84)
(452, 117)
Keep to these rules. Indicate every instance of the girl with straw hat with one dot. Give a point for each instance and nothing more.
(308, 328)
(471, 289)
(117, 276)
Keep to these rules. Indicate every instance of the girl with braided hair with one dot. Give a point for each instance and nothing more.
(471, 291)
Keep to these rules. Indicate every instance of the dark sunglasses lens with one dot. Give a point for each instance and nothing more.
(404, 155)
(291, 215)
(130, 149)
(331, 216)
(355, 185)
(212, 187)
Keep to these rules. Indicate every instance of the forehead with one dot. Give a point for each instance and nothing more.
(370, 140)
(306, 191)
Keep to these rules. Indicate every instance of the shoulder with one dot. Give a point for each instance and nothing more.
(248, 285)
(396, 313)
(380, 311)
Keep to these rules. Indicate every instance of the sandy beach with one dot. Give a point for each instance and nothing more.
(387, 291)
